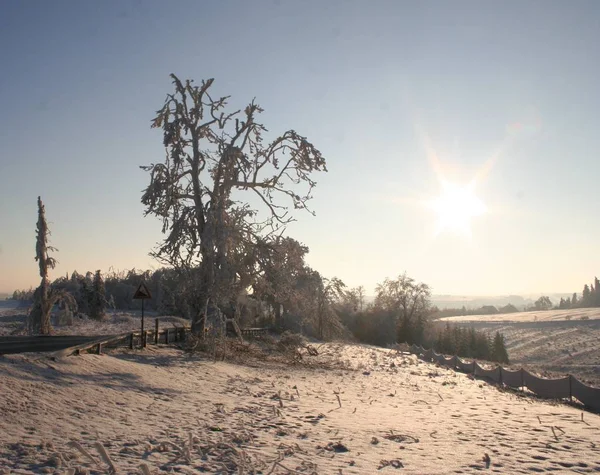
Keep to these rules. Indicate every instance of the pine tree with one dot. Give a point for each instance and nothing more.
(574, 302)
(585, 296)
(499, 352)
(97, 298)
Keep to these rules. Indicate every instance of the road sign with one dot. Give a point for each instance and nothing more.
(142, 292)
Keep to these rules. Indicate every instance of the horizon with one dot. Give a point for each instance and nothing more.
(460, 139)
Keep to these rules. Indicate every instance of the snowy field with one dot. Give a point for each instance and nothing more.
(353, 410)
(548, 342)
(522, 317)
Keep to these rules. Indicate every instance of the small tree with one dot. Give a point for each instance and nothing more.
(45, 297)
(586, 296)
(330, 291)
(97, 298)
(499, 352)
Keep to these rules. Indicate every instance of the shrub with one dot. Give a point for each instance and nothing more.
(290, 341)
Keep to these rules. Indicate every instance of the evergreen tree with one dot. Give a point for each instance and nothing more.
(585, 296)
(472, 341)
(97, 297)
(574, 301)
(499, 352)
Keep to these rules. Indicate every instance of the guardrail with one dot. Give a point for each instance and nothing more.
(131, 340)
(22, 344)
(74, 344)
(568, 387)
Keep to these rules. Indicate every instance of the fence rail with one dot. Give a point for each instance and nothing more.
(568, 387)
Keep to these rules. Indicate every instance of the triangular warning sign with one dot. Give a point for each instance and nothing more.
(142, 292)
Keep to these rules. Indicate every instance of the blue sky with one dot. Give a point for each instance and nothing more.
(369, 83)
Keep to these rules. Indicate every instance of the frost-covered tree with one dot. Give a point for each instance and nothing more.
(280, 262)
(97, 297)
(45, 297)
(216, 160)
(408, 301)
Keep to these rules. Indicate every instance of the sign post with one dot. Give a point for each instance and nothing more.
(142, 293)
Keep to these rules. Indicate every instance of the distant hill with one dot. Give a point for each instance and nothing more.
(472, 301)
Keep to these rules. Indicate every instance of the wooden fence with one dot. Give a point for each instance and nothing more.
(568, 387)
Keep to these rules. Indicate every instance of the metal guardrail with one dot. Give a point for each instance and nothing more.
(74, 344)
(38, 344)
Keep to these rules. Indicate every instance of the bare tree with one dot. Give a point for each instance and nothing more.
(45, 298)
(360, 294)
(214, 159)
(330, 291)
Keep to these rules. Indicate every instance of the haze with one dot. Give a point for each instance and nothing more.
(499, 99)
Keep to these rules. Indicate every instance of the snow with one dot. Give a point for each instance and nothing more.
(171, 411)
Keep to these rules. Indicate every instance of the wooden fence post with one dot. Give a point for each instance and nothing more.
(144, 338)
(156, 331)
(99, 349)
(176, 337)
(131, 341)
(500, 376)
(167, 336)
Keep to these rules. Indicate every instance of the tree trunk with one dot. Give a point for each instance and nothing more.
(39, 317)
(202, 299)
(278, 316)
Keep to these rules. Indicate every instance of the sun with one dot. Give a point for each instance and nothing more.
(455, 208)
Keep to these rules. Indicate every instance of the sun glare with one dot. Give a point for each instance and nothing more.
(456, 207)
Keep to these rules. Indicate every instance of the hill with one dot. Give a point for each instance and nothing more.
(551, 342)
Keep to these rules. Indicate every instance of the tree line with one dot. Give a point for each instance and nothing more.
(590, 297)
(463, 311)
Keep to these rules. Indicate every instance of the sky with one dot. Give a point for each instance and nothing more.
(400, 97)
